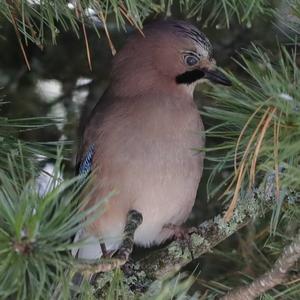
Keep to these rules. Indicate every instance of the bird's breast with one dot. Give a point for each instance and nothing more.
(149, 156)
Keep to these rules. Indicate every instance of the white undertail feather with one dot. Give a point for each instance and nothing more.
(89, 245)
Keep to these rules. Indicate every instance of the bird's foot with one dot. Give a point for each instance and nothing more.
(134, 219)
(183, 236)
(128, 267)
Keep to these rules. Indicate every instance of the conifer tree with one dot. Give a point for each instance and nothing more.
(251, 230)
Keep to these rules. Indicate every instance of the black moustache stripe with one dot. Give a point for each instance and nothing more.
(189, 76)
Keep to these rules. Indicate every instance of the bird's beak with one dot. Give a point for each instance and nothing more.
(216, 76)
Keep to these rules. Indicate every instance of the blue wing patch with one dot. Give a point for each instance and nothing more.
(86, 164)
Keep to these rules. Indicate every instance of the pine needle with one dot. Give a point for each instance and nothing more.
(241, 170)
(20, 40)
(276, 154)
(245, 157)
(242, 134)
(229, 213)
(86, 44)
(79, 14)
(111, 45)
(124, 12)
(258, 145)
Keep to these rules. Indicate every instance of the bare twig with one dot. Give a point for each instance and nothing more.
(89, 267)
(275, 276)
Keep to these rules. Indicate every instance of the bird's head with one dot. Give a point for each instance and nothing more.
(171, 52)
(196, 57)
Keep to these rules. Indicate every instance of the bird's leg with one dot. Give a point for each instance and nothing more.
(182, 235)
(134, 219)
(103, 249)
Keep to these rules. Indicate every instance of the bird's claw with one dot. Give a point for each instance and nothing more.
(183, 236)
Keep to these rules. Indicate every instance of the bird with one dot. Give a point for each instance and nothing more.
(142, 139)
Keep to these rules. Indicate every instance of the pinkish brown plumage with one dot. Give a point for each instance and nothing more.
(145, 130)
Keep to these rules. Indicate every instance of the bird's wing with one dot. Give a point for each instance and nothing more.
(84, 165)
(86, 149)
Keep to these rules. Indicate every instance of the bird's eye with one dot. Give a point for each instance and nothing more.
(190, 60)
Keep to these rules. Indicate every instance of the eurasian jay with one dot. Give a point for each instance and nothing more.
(142, 137)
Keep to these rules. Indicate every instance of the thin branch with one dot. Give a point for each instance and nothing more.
(277, 275)
(87, 267)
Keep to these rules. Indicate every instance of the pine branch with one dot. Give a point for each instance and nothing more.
(33, 19)
(260, 132)
(277, 275)
(10, 144)
(37, 226)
